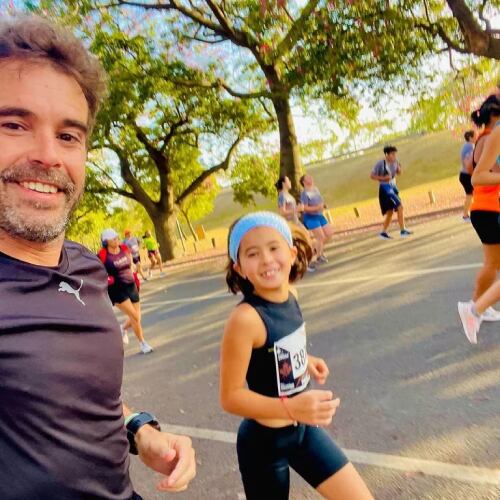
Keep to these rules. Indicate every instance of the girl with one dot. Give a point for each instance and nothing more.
(314, 220)
(265, 343)
(122, 288)
(487, 178)
(288, 207)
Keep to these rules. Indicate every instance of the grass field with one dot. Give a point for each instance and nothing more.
(425, 159)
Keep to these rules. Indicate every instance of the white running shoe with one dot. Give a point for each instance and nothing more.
(491, 315)
(146, 348)
(125, 338)
(470, 321)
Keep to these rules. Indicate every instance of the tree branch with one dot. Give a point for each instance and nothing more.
(295, 31)
(221, 83)
(476, 40)
(223, 165)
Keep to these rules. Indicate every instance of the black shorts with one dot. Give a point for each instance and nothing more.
(466, 183)
(265, 456)
(120, 292)
(487, 226)
(136, 259)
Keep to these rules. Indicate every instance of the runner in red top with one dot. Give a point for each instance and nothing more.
(122, 287)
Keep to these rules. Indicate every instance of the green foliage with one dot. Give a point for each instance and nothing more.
(253, 175)
(450, 105)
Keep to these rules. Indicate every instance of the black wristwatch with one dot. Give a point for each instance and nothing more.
(135, 424)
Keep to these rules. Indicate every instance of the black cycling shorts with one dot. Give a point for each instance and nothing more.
(465, 180)
(136, 259)
(487, 226)
(120, 292)
(266, 454)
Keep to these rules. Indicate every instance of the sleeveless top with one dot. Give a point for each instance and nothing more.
(485, 197)
(279, 367)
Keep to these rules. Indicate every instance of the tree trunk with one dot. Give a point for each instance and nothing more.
(164, 223)
(290, 161)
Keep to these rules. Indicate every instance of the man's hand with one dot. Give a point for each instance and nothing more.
(318, 369)
(169, 454)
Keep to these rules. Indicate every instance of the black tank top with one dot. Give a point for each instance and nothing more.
(279, 367)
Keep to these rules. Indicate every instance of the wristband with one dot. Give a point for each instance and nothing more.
(289, 413)
(130, 417)
(134, 423)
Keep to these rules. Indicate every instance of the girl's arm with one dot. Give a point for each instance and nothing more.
(491, 150)
(243, 332)
(313, 208)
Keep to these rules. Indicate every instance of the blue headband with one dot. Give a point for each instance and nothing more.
(257, 219)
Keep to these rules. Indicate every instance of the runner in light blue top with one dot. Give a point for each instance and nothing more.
(314, 220)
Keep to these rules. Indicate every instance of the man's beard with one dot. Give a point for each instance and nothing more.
(13, 217)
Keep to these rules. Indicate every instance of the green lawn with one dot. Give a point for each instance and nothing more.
(424, 159)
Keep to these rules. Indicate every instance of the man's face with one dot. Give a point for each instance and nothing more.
(43, 133)
(391, 157)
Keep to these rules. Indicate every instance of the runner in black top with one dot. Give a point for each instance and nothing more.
(62, 434)
(265, 344)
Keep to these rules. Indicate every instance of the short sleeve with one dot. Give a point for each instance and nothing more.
(377, 168)
(304, 199)
(281, 200)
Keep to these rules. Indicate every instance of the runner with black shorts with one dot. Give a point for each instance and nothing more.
(466, 171)
(485, 217)
(122, 288)
(134, 245)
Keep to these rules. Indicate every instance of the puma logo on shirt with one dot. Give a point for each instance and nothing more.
(66, 287)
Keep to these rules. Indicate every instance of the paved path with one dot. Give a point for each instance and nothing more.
(420, 406)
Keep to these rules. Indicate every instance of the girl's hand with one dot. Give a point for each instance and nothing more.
(318, 369)
(313, 407)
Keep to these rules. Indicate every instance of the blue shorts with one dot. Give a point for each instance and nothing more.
(266, 454)
(388, 197)
(313, 221)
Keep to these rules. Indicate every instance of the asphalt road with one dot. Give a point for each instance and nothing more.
(419, 413)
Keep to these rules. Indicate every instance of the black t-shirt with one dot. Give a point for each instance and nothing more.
(61, 365)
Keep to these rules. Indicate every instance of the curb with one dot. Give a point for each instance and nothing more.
(421, 217)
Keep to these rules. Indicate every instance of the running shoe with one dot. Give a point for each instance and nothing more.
(384, 236)
(162, 274)
(146, 348)
(466, 218)
(404, 233)
(322, 259)
(311, 269)
(491, 315)
(125, 338)
(470, 321)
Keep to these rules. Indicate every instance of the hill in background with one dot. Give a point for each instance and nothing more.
(424, 159)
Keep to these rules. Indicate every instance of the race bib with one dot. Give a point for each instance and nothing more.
(290, 355)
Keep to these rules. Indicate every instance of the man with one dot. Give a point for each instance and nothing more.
(385, 172)
(153, 252)
(134, 245)
(62, 430)
(466, 172)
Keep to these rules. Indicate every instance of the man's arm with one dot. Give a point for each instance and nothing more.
(170, 454)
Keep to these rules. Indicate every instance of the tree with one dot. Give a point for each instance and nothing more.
(464, 27)
(287, 52)
(450, 105)
(149, 135)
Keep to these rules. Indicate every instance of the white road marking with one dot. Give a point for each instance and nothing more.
(464, 473)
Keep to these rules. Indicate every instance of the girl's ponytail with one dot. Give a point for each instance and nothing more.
(302, 242)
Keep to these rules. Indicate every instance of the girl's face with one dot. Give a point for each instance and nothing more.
(308, 181)
(287, 184)
(265, 259)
